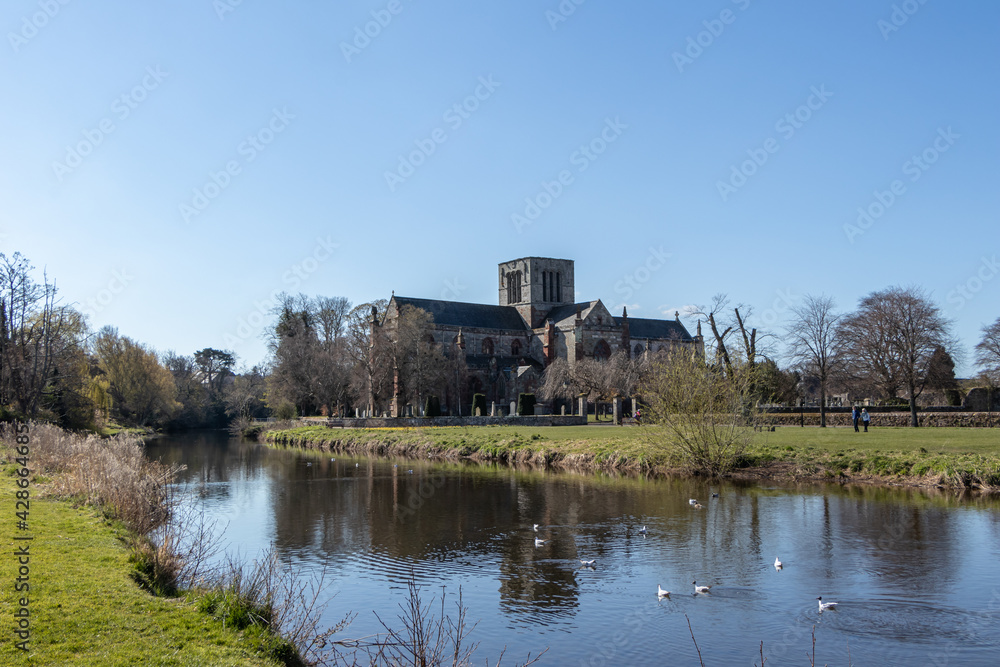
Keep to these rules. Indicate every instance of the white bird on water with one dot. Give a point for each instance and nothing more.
(823, 606)
(539, 542)
(692, 501)
(536, 527)
(700, 589)
(660, 593)
(777, 564)
(642, 531)
(588, 563)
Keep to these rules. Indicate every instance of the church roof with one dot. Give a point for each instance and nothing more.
(644, 327)
(566, 315)
(461, 314)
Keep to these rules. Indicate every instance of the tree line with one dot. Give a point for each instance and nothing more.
(328, 356)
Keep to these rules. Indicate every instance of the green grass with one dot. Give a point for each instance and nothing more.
(87, 610)
(962, 456)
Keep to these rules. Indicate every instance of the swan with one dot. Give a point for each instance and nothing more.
(588, 563)
(660, 593)
(823, 606)
(700, 589)
(539, 542)
(777, 563)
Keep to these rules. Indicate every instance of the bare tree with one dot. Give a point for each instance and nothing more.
(988, 352)
(416, 355)
(369, 348)
(748, 346)
(812, 343)
(30, 323)
(891, 339)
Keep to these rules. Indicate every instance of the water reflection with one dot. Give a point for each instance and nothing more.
(911, 568)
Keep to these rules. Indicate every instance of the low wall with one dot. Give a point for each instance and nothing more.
(972, 419)
(386, 422)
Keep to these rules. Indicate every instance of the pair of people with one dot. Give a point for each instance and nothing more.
(863, 416)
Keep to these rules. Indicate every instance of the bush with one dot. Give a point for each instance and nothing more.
(699, 416)
(525, 404)
(432, 407)
(285, 411)
(479, 403)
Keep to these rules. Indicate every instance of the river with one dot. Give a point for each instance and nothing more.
(914, 572)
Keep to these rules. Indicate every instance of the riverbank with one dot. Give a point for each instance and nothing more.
(940, 457)
(84, 607)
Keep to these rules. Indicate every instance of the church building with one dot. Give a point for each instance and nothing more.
(537, 321)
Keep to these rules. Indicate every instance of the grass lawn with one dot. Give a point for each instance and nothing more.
(86, 610)
(886, 452)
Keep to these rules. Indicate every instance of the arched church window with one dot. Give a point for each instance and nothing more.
(602, 350)
(515, 348)
(637, 350)
(488, 346)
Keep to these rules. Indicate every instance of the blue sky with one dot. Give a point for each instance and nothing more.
(173, 165)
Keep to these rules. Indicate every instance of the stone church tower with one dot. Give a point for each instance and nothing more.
(536, 285)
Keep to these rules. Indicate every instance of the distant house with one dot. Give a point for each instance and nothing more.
(508, 346)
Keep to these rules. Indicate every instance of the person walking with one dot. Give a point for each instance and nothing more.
(865, 418)
(854, 417)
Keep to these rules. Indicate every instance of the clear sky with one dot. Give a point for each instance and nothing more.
(174, 164)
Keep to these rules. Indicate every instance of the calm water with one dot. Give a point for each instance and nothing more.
(915, 574)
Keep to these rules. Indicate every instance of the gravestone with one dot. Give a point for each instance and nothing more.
(513, 408)
(617, 408)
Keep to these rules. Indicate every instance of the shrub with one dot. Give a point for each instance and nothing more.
(479, 403)
(525, 404)
(284, 411)
(432, 407)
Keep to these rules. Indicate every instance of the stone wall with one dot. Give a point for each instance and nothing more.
(547, 420)
(944, 418)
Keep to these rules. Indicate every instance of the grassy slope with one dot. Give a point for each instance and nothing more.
(884, 452)
(85, 608)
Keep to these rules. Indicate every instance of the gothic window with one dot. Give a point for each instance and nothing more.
(637, 350)
(488, 346)
(514, 287)
(515, 348)
(602, 350)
